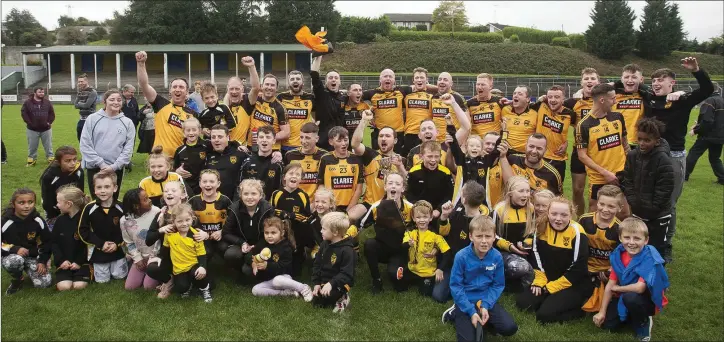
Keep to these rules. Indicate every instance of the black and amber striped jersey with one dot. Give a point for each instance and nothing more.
(262, 168)
(193, 159)
(240, 132)
(510, 224)
(376, 167)
(265, 113)
(542, 178)
(519, 126)
(630, 105)
(418, 108)
(211, 215)
(555, 127)
(604, 139)
(484, 116)
(494, 184)
(560, 258)
(414, 157)
(310, 167)
(440, 110)
(341, 175)
(352, 116)
(299, 110)
(456, 229)
(470, 168)
(154, 187)
(294, 204)
(220, 114)
(387, 106)
(228, 163)
(601, 241)
(580, 106)
(390, 221)
(168, 120)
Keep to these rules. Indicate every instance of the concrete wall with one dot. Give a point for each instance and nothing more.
(11, 55)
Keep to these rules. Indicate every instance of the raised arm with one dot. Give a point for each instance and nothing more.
(248, 62)
(142, 76)
(357, 146)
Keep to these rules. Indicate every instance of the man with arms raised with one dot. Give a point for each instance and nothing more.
(440, 109)
(234, 98)
(418, 108)
(299, 106)
(484, 108)
(554, 120)
(265, 109)
(328, 102)
(169, 114)
(352, 114)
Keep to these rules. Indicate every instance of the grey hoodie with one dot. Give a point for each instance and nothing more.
(107, 141)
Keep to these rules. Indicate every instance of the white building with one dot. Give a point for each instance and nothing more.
(410, 20)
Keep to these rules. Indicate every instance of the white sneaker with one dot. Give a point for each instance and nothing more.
(447, 314)
(341, 304)
(307, 293)
(290, 293)
(206, 294)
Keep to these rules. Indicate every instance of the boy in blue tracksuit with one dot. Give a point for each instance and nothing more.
(476, 281)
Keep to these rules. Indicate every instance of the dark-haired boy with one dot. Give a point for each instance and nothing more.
(341, 171)
(309, 155)
(261, 165)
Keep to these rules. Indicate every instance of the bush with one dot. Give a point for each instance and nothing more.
(514, 39)
(578, 41)
(381, 39)
(345, 45)
(473, 37)
(421, 27)
(362, 30)
(533, 36)
(561, 41)
(479, 28)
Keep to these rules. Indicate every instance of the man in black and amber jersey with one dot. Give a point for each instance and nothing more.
(377, 164)
(353, 108)
(225, 159)
(263, 105)
(341, 171)
(309, 156)
(418, 108)
(554, 120)
(520, 119)
(328, 101)
(299, 106)
(261, 164)
(441, 109)
(601, 141)
(234, 98)
(628, 99)
(484, 108)
(540, 174)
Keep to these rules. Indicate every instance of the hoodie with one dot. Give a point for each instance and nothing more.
(335, 264)
(38, 115)
(474, 279)
(67, 245)
(51, 180)
(30, 233)
(649, 181)
(107, 141)
(280, 261)
(240, 227)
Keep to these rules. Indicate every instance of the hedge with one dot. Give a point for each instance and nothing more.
(533, 36)
(561, 41)
(472, 37)
(578, 41)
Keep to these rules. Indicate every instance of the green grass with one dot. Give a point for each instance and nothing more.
(108, 312)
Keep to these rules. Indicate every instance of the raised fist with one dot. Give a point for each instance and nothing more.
(247, 61)
(141, 56)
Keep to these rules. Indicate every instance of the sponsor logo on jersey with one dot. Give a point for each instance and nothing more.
(440, 112)
(609, 141)
(552, 124)
(483, 118)
(629, 104)
(584, 112)
(297, 114)
(599, 253)
(210, 227)
(387, 103)
(268, 119)
(174, 120)
(342, 182)
(418, 103)
(309, 178)
(351, 124)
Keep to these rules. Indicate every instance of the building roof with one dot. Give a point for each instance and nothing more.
(499, 26)
(170, 48)
(414, 17)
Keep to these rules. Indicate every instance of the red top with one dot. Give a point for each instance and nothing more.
(626, 259)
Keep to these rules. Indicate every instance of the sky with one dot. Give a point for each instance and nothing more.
(702, 19)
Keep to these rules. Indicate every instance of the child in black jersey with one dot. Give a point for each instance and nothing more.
(215, 112)
(334, 265)
(190, 158)
(65, 169)
(72, 270)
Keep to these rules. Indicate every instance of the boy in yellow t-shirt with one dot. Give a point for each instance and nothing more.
(422, 267)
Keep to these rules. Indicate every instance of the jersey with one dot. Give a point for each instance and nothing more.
(519, 126)
(154, 187)
(240, 133)
(228, 163)
(353, 115)
(211, 215)
(265, 114)
(580, 106)
(494, 185)
(542, 178)
(604, 139)
(555, 128)
(220, 114)
(310, 167)
(387, 106)
(168, 122)
(185, 252)
(298, 111)
(601, 242)
(440, 110)
(630, 105)
(376, 166)
(418, 108)
(485, 116)
(425, 242)
(510, 226)
(414, 157)
(341, 175)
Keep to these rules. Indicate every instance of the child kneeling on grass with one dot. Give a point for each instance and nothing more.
(334, 264)
(72, 270)
(476, 282)
(638, 279)
(270, 262)
(188, 257)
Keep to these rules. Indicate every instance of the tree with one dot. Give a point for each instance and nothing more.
(611, 35)
(661, 30)
(449, 16)
(235, 22)
(23, 29)
(362, 30)
(161, 22)
(65, 21)
(98, 33)
(70, 36)
(286, 17)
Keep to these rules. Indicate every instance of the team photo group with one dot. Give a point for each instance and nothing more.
(464, 196)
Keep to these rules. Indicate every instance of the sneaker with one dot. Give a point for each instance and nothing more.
(206, 294)
(51, 159)
(643, 332)
(165, 289)
(289, 293)
(307, 293)
(376, 286)
(15, 286)
(31, 162)
(400, 272)
(5, 161)
(341, 304)
(447, 315)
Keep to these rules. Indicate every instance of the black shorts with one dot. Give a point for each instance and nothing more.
(560, 166)
(576, 165)
(81, 274)
(367, 205)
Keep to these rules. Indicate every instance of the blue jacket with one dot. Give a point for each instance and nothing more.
(473, 279)
(648, 265)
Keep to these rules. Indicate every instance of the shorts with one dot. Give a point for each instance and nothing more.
(576, 165)
(367, 205)
(560, 166)
(82, 274)
(102, 272)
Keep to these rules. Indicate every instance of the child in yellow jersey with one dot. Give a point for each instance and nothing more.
(159, 165)
(211, 208)
(188, 257)
(422, 267)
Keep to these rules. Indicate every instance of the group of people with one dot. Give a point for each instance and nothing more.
(466, 197)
